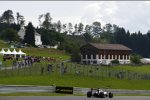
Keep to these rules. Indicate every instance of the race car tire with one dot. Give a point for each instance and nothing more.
(95, 95)
(101, 95)
(110, 95)
(89, 94)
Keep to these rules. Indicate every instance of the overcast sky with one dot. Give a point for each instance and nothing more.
(132, 15)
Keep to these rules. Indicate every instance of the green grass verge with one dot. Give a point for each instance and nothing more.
(141, 68)
(77, 81)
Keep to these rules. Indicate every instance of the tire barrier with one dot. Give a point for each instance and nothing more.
(65, 90)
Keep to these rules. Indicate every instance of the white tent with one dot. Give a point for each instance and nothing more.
(8, 52)
(21, 53)
(145, 60)
(2, 52)
(14, 52)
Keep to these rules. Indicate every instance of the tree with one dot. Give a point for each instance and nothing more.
(20, 19)
(88, 29)
(120, 36)
(59, 26)
(64, 27)
(10, 35)
(45, 37)
(75, 53)
(108, 28)
(7, 17)
(148, 33)
(106, 34)
(76, 29)
(87, 37)
(114, 28)
(50, 37)
(70, 28)
(128, 38)
(76, 57)
(40, 22)
(29, 34)
(47, 23)
(96, 29)
(54, 27)
(80, 28)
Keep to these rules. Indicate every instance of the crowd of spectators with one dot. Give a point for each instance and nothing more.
(30, 60)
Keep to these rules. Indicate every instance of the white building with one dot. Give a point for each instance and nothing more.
(94, 53)
(21, 32)
(38, 41)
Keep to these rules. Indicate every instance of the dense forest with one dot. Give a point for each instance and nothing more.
(70, 37)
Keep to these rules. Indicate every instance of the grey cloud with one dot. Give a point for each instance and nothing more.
(129, 14)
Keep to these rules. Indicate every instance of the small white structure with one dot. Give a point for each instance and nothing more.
(145, 60)
(14, 53)
(37, 39)
(37, 36)
(21, 32)
(54, 47)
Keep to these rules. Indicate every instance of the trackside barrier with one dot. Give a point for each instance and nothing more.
(26, 88)
(65, 90)
(52, 89)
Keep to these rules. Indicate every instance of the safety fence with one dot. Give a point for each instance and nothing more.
(58, 68)
(105, 72)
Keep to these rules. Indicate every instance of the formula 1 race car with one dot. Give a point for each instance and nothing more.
(98, 93)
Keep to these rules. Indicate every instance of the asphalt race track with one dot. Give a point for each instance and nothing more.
(73, 98)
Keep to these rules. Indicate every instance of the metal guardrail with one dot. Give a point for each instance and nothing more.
(24, 88)
(51, 89)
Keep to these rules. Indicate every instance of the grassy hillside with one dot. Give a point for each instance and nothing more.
(3, 44)
(44, 52)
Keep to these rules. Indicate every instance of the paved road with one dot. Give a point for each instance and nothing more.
(73, 98)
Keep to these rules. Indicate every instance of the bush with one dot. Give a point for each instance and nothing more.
(115, 61)
(135, 59)
(76, 57)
